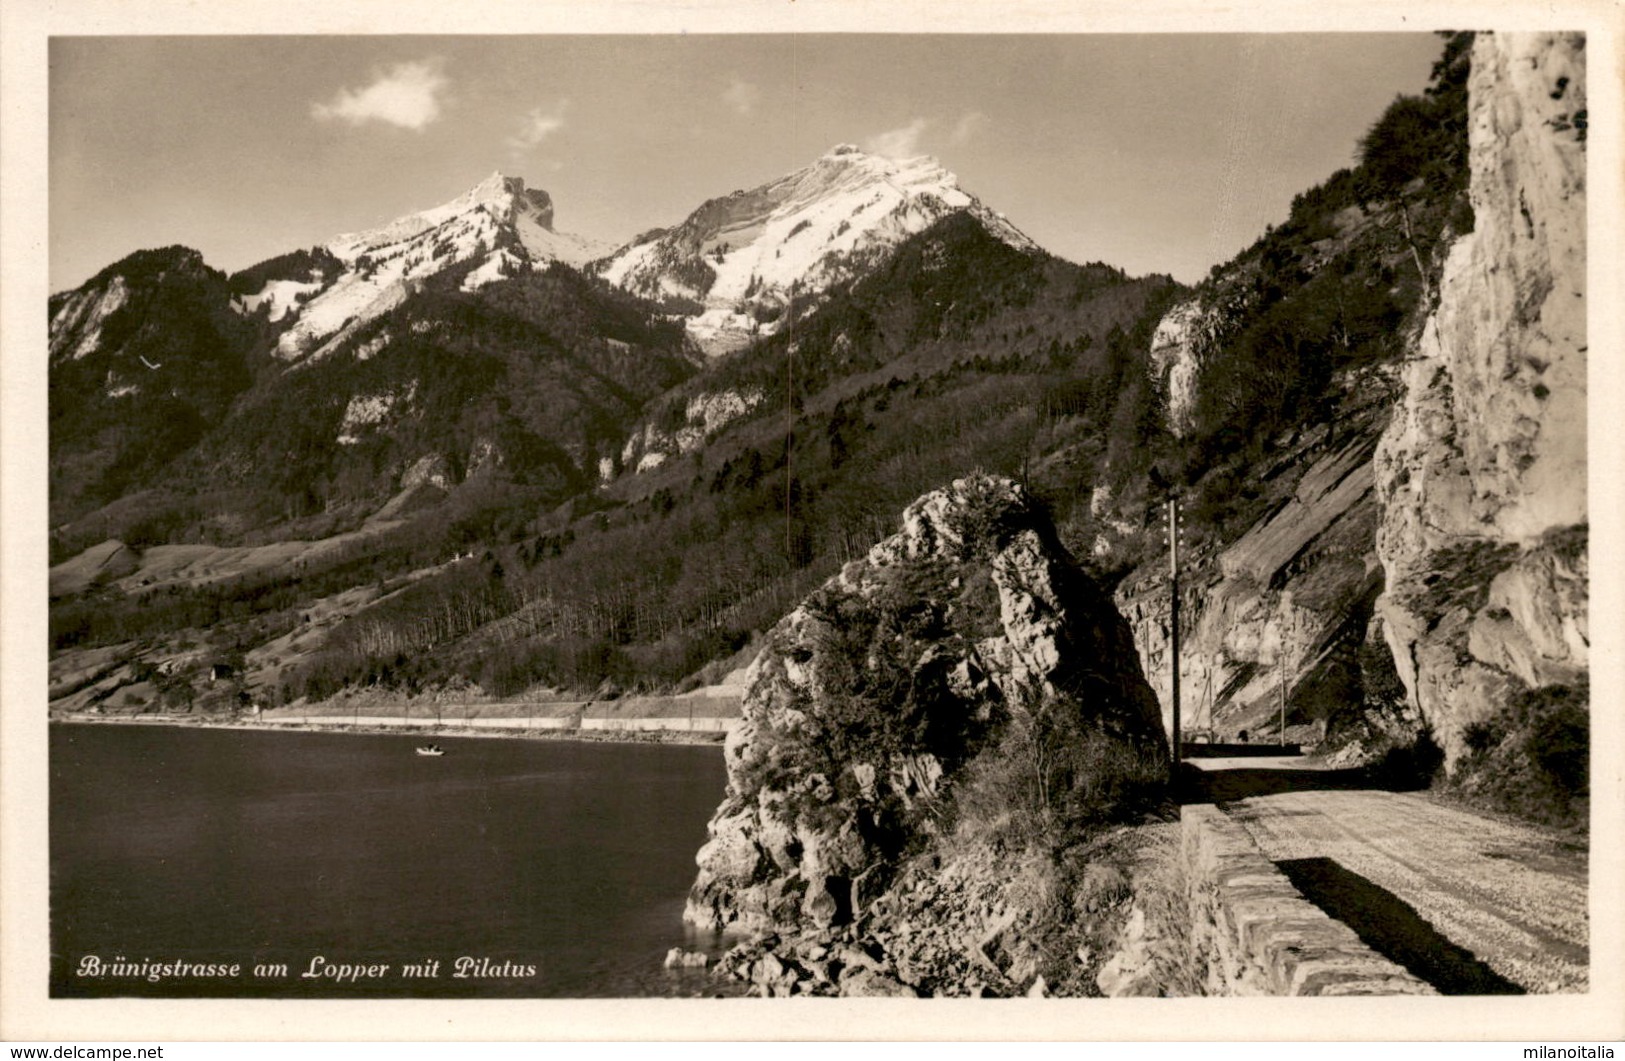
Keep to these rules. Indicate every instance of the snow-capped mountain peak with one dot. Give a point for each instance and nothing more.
(744, 255)
(497, 197)
(502, 226)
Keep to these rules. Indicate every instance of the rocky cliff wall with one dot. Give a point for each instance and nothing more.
(1189, 335)
(1282, 609)
(704, 415)
(1481, 475)
(1441, 519)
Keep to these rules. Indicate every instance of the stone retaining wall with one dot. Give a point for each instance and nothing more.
(1255, 934)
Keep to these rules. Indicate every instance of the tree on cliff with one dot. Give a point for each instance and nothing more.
(1420, 138)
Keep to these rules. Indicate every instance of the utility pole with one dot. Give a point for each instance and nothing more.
(1173, 616)
(1281, 679)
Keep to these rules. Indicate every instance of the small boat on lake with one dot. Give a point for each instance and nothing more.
(431, 749)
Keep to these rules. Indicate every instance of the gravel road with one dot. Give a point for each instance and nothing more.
(1472, 904)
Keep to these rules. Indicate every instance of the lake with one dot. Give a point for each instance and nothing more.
(542, 869)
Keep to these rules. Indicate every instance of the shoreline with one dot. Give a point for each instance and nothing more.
(701, 738)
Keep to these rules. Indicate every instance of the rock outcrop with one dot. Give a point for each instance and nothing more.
(873, 699)
(1187, 337)
(703, 416)
(1283, 609)
(1481, 475)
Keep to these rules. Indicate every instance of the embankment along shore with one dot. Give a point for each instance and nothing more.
(648, 732)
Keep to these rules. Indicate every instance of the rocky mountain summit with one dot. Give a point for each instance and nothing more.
(145, 358)
(496, 229)
(962, 680)
(740, 259)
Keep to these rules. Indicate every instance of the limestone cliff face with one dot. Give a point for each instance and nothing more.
(1176, 356)
(1284, 607)
(1440, 520)
(1187, 337)
(1481, 475)
(703, 416)
(875, 694)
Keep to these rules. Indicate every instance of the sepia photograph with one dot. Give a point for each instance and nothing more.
(537, 513)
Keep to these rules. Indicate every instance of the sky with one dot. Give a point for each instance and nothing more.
(1156, 153)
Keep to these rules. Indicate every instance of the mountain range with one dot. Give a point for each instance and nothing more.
(730, 272)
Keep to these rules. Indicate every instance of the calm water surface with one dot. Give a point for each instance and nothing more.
(568, 858)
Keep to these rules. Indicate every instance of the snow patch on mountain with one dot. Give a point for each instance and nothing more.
(280, 297)
(744, 256)
(498, 266)
(342, 318)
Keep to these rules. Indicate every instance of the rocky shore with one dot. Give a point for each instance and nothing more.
(977, 925)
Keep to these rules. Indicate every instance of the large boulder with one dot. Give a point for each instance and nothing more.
(873, 695)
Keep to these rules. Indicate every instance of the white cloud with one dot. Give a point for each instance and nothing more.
(406, 94)
(903, 142)
(539, 124)
(970, 123)
(741, 95)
